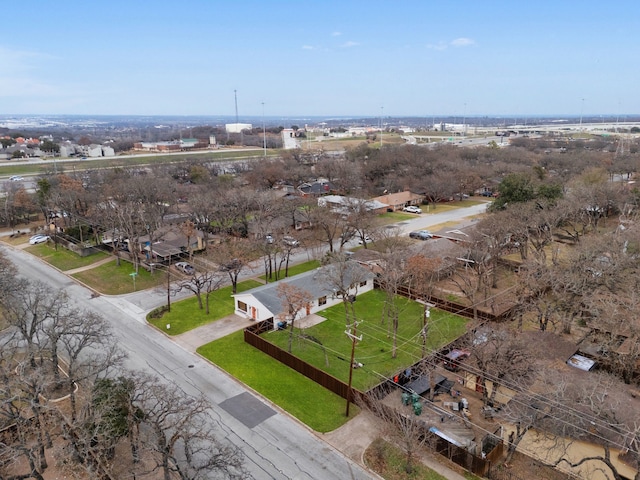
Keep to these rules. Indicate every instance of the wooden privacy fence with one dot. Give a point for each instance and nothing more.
(331, 383)
(453, 307)
(459, 455)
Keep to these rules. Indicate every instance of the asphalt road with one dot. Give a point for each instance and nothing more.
(275, 445)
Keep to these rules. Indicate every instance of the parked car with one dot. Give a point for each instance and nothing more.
(16, 178)
(412, 209)
(290, 241)
(346, 236)
(36, 239)
(453, 358)
(367, 239)
(421, 234)
(268, 238)
(185, 267)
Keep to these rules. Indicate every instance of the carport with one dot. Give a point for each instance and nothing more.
(422, 384)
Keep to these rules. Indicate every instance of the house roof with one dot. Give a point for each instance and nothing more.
(317, 188)
(315, 282)
(399, 198)
(340, 203)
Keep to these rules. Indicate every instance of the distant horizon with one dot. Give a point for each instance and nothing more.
(283, 60)
(345, 117)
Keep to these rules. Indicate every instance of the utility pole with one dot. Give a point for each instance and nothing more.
(169, 285)
(354, 340)
(381, 115)
(425, 325)
(264, 133)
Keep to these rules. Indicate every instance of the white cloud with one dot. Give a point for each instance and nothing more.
(336, 34)
(458, 42)
(349, 44)
(307, 47)
(437, 46)
(462, 42)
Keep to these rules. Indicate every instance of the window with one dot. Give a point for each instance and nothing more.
(242, 306)
(363, 284)
(322, 301)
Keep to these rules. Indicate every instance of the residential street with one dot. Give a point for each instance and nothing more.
(275, 445)
(278, 447)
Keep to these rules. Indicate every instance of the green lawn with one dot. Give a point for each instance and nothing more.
(330, 348)
(185, 315)
(310, 403)
(113, 280)
(62, 258)
(395, 217)
(299, 268)
(447, 206)
(388, 461)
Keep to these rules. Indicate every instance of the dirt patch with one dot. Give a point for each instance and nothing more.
(523, 467)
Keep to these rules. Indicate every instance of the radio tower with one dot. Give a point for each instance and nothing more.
(235, 95)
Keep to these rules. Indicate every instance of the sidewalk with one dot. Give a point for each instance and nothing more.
(352, 438)
(193, 339)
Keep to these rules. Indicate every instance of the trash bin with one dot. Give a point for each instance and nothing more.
(417, 408)
(415, 398)
(405, 398)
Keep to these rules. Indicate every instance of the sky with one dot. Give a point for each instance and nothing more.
(321, 58)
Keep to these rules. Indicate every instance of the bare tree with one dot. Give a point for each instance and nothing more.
(294, 299)
(343, 277)
(501, 356)
(179, 434)
(401, 426)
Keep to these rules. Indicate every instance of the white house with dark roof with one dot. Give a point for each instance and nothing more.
(263, 303)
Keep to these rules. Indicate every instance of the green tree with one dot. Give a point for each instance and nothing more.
(50, 147)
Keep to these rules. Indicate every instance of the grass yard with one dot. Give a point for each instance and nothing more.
(185, 315)
(298, 269)
(310, 403)
(327, 347)
(113, 280)
(390, 463)
(62, 258)
(395, 217)
(447, 206)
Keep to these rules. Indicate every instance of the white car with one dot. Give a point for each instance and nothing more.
(367, 239)
(36, 239)
(16, 178)
(290, 241)
(185, 267)
(412, 209)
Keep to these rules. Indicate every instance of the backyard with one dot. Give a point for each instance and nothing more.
(326, 345)
(313, 405)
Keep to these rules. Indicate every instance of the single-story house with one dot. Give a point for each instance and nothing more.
(263, 303)
(347, 205)
(399, 200)
(317, 188)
